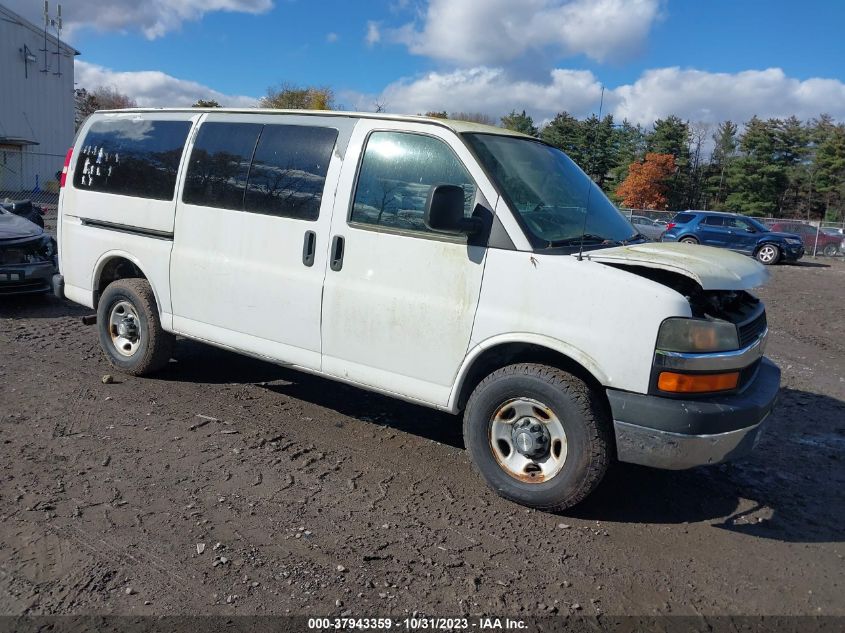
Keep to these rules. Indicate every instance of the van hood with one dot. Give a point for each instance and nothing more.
(14, 227)
(712, 268)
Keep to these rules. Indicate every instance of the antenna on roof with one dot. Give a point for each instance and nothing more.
(590, 178)
(46, 26)
(58, 24)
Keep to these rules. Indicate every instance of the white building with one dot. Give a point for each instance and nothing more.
(36, 106)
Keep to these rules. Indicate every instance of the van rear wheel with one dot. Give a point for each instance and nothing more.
(130, 330)
(537, 435)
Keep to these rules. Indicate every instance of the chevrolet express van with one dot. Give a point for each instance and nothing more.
(459, 266)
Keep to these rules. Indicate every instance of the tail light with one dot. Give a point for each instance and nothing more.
(670, 226)
(66, 167)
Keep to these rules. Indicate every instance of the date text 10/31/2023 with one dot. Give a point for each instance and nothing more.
(416, 624)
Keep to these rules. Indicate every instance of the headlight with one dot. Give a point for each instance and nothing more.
(792, 240)
(48, 246)
(696, 335)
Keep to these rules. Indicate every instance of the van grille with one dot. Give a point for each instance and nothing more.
(751, 330)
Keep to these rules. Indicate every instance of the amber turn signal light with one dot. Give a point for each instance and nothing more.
(697, 383)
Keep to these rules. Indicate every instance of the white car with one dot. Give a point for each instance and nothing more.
(459, 266)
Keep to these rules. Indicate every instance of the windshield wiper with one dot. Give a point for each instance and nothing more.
(587, 237)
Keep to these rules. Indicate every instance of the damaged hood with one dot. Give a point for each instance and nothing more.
(712, 268)
(14, 227)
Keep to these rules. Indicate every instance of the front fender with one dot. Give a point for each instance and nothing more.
(550, 343)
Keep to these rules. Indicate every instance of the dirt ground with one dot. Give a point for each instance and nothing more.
(302, 496)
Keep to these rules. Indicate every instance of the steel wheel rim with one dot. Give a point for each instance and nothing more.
(767, 253)
(125, 328)
(687, 240)
(533, 470)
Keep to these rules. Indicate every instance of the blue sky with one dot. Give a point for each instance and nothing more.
(702, 60)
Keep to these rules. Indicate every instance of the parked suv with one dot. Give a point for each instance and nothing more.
(737, 232)
(463, 267)
(814, 240)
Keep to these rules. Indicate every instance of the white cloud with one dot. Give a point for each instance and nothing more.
(153, 88)
(373, 35)
(153, 18)
(493, 92)
(711, 97)
(332, 37)
(495, 32)
(694, 95)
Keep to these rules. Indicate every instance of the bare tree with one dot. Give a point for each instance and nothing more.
(473, 117)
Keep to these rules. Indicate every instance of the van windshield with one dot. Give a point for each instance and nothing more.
(550, 193)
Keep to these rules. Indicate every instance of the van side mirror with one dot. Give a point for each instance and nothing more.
(444, 211)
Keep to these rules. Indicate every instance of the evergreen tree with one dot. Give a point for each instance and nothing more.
(519, 122)
(755, 178)
(724, 151)
(830, 174)
(672, 136)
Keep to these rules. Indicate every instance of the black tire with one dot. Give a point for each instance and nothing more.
(762, 254)
(688, 240)
(154, 346)
(830, 250)
(584, 419)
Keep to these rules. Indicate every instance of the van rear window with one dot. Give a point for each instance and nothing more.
(132, 157)
(683, 218)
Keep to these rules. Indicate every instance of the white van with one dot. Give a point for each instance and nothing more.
(459, 266)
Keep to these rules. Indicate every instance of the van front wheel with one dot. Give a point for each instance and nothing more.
(130, 329)
(537, 435)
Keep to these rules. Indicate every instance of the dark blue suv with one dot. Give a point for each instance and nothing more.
(736, 232)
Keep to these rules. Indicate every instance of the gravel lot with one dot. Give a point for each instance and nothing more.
(231, 486)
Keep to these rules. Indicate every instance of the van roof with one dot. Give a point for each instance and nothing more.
(459, 127)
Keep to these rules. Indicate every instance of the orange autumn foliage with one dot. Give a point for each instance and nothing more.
(645, 187)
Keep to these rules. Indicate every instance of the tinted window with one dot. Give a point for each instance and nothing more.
(219, 164)
(714, 220)
(396, 175)
(132, 157)
(288, 171)
(683, 218)
(738, 223)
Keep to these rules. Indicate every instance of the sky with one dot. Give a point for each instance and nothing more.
(705, 61)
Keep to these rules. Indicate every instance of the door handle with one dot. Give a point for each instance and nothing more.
(336, 262)
(309, 246)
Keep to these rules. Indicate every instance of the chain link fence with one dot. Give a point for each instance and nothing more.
(26, 175)
(821, 239)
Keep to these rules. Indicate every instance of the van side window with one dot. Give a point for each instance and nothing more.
(397, 172)
(132, 157)
(288, 172)
(219, 164)
(714, 220)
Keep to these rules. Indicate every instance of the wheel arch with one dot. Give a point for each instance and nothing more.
(115, 265)
(498, 352)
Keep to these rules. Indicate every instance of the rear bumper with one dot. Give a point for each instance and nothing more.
(679, 434)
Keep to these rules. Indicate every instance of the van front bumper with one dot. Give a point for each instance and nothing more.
(679, 434)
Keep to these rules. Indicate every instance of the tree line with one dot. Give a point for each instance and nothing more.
(763, 167)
